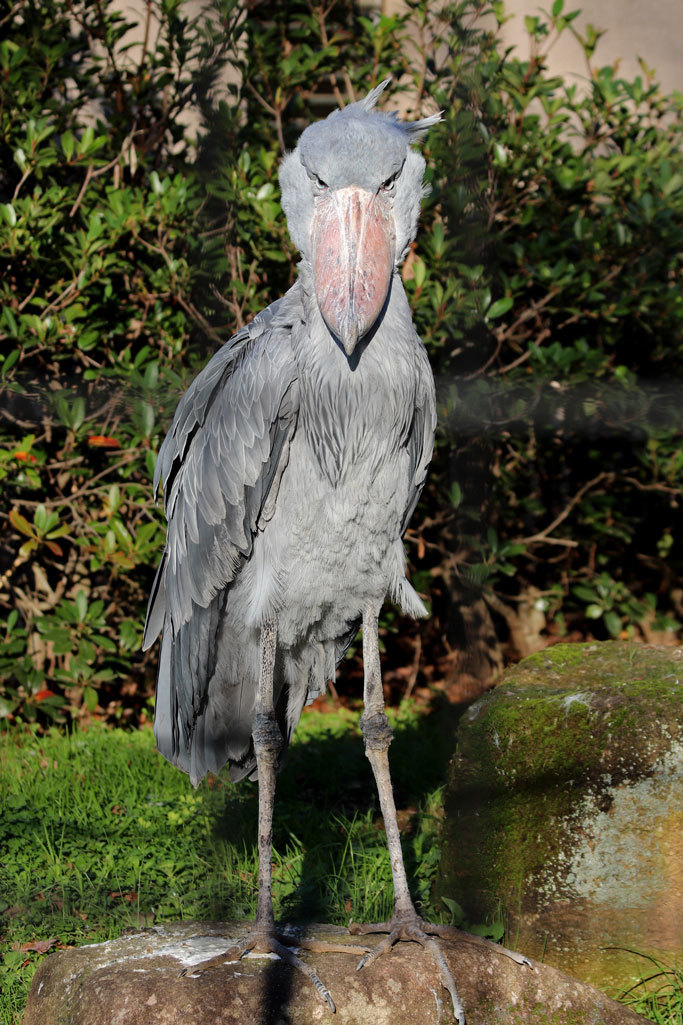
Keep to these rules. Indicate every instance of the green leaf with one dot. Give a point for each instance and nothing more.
(499, 307)
(531, 24)
(457, 913)
(674, 183)
(150, 462)
(455, 494)
(594, 611)
(9, 213)
(494, 931)
(613, 623)
(81, 606)
(68, 144)
(40, 519)
(20, 523)
(10, 360)
(90, 698)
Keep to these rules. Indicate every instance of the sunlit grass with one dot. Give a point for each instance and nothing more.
(98, 833)
(659, 993)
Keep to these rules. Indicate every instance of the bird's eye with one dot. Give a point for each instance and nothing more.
(389, 184)
(318, 182)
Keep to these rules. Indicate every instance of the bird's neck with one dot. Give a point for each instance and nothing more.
(348, 404)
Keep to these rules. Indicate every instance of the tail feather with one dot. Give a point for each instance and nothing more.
(204, 737)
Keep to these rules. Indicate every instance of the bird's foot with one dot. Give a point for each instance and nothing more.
(411, 927)
(266, 941)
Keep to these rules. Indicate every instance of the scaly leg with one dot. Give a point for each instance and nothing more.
(405, 924)
(262, 937)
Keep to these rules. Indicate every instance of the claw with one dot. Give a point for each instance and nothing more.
(417, 930)
(380, 949)
(269, 943)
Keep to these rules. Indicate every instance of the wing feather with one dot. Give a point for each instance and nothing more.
(421, 436)
(217, 463)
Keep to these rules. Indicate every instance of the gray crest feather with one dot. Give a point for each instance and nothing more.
(416, 129)
(370, 101)
(413, 129)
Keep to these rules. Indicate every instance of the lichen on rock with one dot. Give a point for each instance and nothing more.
(564, 805)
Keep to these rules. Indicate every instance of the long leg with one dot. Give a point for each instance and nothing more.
(405, 924)
(268, 742)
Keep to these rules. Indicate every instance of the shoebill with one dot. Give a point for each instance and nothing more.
(291, 470)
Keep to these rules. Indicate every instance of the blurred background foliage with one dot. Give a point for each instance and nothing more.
(140, 225)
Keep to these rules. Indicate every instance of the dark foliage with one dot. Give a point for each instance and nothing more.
(140, 225)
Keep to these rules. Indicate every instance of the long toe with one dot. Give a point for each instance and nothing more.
(231, 954)
(381, 948)
(412, 928)
(288, 955)
(451, 932)
(447, 980)
(260, 941)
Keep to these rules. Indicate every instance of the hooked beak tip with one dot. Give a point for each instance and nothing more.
(349, 338)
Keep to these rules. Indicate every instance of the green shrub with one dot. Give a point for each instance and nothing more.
(553, 311)
(98, 248)
(545, 282)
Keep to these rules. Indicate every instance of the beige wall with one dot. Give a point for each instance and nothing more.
(651, 29)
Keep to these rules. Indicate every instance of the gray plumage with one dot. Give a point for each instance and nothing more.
(291, 469)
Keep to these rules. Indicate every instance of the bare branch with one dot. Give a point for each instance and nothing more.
(543, 535)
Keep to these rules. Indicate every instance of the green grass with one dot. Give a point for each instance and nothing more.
(98, 833)
(659, 994)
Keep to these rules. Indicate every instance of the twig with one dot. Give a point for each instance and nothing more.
(15, 10)
(186, 305)
(19, 561)
(21, 181)
(415, 668)
(201, 320)
(321, 15)
(274, 112)
(525, 355)
(56, 303)
(27, 299)
(663, 488)
(145, 41)
(90, 173)
(68, 499)
(506, 333)
(542, 535)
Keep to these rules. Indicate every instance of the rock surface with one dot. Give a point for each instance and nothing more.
(565, 805)
(135, 980)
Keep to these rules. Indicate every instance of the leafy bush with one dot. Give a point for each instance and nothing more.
(556, 288)
(545, 282)
(98, 263)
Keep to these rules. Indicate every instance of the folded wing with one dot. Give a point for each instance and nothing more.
(219, 463)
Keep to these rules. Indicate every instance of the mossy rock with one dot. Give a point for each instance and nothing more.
(565, 807)
(137, 980)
